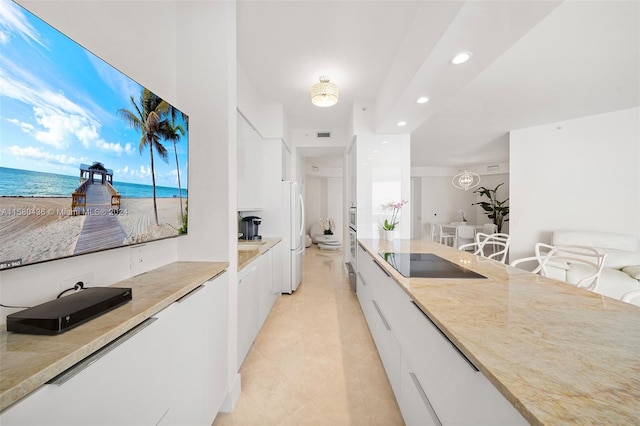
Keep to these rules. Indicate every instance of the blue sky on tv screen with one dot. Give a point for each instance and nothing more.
(59, 103)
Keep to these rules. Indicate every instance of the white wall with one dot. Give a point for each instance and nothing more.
(324, 198)
(335, 204)
(268, 119)
(580, 174)
(442, 202)
(313, 200)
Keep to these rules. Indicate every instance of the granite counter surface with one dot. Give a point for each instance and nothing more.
(559, 354)
(29, 361)
(247, 250)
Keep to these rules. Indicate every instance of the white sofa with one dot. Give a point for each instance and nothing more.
(621, 273)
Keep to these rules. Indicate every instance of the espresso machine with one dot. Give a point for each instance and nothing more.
(249, 228)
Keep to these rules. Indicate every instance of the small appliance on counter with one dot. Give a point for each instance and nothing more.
(249, 228)
(65, 313)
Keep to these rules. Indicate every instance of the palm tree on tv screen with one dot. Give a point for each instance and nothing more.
(149, 118)
(173, 133)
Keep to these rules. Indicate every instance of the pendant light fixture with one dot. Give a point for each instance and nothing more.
(465, 180)
(324, 94)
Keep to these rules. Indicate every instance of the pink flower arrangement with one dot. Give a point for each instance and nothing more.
(390, 225)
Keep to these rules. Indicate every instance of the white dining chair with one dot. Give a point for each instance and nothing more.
(590, 260)
(439, 236)
(490, 228)
(465, 234)
(490, 246)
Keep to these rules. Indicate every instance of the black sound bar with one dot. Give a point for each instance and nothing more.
(65, 313)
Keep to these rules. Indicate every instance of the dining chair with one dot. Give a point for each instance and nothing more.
(490, 228)
(465, 234)
(490, 246)
(439, 236)
(588, 261)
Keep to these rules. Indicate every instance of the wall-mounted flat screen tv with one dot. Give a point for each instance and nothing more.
(89, 159)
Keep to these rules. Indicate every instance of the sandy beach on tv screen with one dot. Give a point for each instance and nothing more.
(35, 229)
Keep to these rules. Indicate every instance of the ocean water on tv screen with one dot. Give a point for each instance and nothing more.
(25, 183)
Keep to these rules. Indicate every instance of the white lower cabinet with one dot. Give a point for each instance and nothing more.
(198, 357)
(216, 343)
(247, 309)
(122, 386)
(415, 405)
(387, 345)
(267, 295)
(257, 292)
(433, 381)
(157, 373)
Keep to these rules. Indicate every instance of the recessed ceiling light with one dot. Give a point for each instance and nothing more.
(461, 58)
(402, 123)
(422, 100)
(383, 142)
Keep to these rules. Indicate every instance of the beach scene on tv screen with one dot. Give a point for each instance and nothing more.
(89, 158)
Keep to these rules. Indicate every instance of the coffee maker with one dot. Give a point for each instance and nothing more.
(249, 228)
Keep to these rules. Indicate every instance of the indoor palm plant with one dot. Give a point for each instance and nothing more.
(494, 209)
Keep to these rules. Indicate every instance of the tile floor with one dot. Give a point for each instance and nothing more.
(314, 362)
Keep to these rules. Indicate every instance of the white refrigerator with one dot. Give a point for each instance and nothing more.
(293, 235)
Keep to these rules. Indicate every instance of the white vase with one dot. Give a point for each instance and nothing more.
(388, 235)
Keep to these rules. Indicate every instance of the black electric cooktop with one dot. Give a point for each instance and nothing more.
(426, 265)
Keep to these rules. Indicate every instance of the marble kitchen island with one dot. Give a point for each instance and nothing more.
(558, 354)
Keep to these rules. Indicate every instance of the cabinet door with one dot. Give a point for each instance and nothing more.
(267, 296)
(278, 259)
(249, 158)
(185, 337)
(386, 344)
(247, 309)
(215, 339)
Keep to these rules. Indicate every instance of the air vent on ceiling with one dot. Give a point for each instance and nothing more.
(323, 134)
(493, 168)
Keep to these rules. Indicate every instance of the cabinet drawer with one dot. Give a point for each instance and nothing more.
(415, 405)
(386, 343)
(459, 393)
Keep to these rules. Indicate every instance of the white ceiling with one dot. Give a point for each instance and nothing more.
(534, 62)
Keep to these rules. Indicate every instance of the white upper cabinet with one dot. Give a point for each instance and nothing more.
(249, 167)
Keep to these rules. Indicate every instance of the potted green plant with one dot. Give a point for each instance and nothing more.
(494, 209)
(389, 226)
